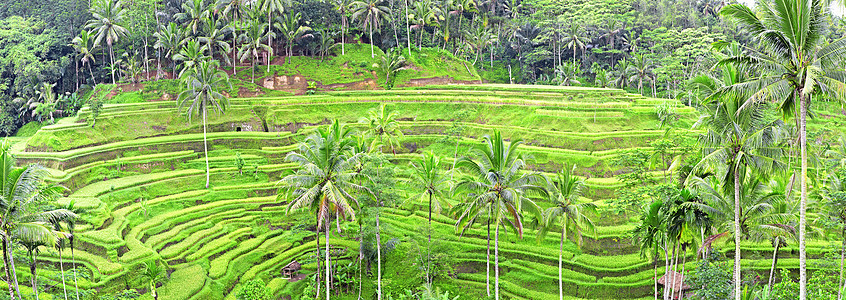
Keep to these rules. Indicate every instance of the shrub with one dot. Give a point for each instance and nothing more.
(253, 290)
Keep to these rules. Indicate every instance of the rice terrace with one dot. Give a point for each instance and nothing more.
(422, 149)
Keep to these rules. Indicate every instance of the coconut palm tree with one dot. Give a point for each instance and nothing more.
(496, 184)
(292, 31)
(423, 15)
(252, 45)
(575, 39)
(796, 63)
(428, 176)
(371, 13)
(215, 37)
(272, 7)
(85, 51)
(60, 245)
(107, 16)
(170, 39)
(391, 62)
(738, 141)
(32, 253)
(203, 84)
(622, 73)
(383, 124)
(478, 40)
(192, 15)
(325, 180)
(233, 10)
(641, 68)
(153, 274)
(326, 42)
(24, 190)
(191, 55)
(650, 233)
(343, 7)
(70, 225)
(568, 212)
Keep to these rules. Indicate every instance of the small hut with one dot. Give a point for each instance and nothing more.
(677, 284)
(290, 270)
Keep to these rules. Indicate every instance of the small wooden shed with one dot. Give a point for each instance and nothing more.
(677, 284)
(290, 270)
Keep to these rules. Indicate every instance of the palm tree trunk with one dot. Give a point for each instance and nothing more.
(343, 31)
(62, 267)
(269, 37)
(488, 257)
(75, 281)
(561, 258)
(655, 271)
(803, 146)
(328, 284)
(14, 272)
(94, 81)
(7, 267)
(407, 30)
(112, 55)
(737, 294)
(34, 275)
(496, 262)
(372, 56)
(378, 257)
(360, 267)
(317, 237)
(842, 257)
(233, 43)
(684, 261)
(772, 269)
(666, 267)
(429, 247)
(206, 146)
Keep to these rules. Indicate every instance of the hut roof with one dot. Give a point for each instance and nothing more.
(292, 266)
(678, 281)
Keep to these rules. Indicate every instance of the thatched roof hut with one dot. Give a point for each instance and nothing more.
(290, 270)
(677, 283)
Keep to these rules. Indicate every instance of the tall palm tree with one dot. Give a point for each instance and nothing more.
(60, 245)
(478, 40)
(497, 184)
(272, 7)
(252, 45)
(641, 68)
(85, 51)
(572, 215)
(203, 84)
(371, 13)
(32, 250)
(423, 15)
(233, 10)
(622, 73)
(796, 63)
(428, 176)
(292, 30)
(383, 124)
(215, 37)
(575, 39)
(343, 8)
(70, 225)
(325, 179)
(23, 191)
(106, 26)
(170, 39)
(650, 233)
(738, 141)
(191, 55)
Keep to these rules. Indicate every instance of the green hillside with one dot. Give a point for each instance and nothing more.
(139, 173)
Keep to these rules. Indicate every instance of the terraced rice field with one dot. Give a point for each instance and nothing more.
(139, 173)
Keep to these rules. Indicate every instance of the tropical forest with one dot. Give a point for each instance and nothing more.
(422, 149)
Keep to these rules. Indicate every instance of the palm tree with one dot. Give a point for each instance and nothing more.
(325, 180)
(57, 226)
(32, 252)
(391, 63)
(252, 45)
(326, 42)
(738, 141)
(170, 39)
(343, 7)
(797, 63)
(70, 224)
(271, 7)
(215, 37)
(564, 194)
(202, 92)
(575, 39)
(651, 233)
(153, 274)
(23, 190)
(622, 73)
(640, 69)
(384, 125)
(193, 13)
(235, 9)
(191, 55)
(371, 13)
(478, 40)
(107, 15)
(428, 175)
(292, 30)
(85, 50)
(422, 16)
(496, 184)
